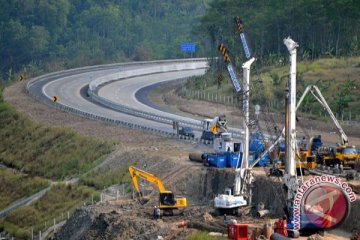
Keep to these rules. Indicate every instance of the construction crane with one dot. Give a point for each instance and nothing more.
(230, 68)
(167, 201)
(344, 153)
(290, 180)
(240, 29)
(240, 195)
(234, 198)
(314, 90)
(217, 125)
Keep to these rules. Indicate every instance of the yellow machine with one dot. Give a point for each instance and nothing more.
(306, 159)
(346, 155)
(167, 200)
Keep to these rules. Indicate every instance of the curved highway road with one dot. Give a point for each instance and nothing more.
(67, 86)
(123, 92)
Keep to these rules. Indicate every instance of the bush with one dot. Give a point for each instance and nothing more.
(102, 179)
(14, 186)
(54, 204)
(51, 152)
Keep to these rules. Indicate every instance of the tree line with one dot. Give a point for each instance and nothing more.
(56, 34)
(321, 27)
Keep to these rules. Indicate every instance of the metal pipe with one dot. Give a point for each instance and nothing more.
(240, 174)
(291, 133)
(246, 74)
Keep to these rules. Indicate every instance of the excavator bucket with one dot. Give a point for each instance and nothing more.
(143, 200)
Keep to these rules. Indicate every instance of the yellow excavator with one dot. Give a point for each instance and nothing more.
(167, 201)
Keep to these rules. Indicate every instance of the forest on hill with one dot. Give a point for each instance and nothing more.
(38, 36)
(322, 28)
(328, 34)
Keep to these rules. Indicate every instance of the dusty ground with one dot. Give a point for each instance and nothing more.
(165, 157)
(327, 130)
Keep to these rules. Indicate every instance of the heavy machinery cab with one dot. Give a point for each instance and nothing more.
(347, 149)
(345, 154)
(169, 201)
(167, 198)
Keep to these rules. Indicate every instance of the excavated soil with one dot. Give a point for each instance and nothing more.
(168, 159)
(327, 130)
(118, 222)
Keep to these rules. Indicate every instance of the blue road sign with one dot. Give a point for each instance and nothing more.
(187, 47)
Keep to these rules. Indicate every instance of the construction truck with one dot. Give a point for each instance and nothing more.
(167, 200)
(344, 153)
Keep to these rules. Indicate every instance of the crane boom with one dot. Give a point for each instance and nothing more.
(230, 68)
(315, 91)
(240, 29)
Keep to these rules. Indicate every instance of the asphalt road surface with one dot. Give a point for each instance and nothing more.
(68, 87)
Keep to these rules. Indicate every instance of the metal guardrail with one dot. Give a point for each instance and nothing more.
(178, 66)
(31, 88)
(99, 82)
(38, 95)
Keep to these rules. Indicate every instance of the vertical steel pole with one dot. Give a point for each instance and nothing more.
(291, 121)
(246, 75)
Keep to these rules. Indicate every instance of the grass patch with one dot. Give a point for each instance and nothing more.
(54, 204)
(14, 186)
(51, 152)
(102, 179)
(267, 85)
(204, 236)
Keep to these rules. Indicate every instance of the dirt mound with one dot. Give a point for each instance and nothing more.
(121, 222)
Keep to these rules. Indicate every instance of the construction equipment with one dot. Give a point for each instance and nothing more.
(224, 146)
(230, 68)
(217, 125)
(240, 29)
(240, 194)
(307, 152)
(344, 153)
(231, 201)
(213, 127)
(291, 183)
(167, 201)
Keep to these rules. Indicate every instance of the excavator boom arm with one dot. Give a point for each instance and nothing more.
(318, 96)
(135, 173)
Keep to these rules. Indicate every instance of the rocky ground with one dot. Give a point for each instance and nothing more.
(126, 219)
